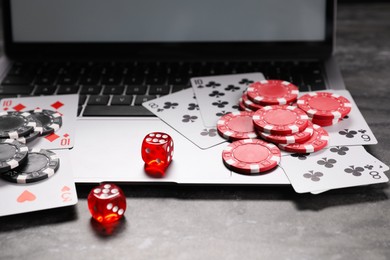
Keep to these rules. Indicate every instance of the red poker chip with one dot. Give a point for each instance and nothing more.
(249, 104)
(317, 141)
(272, 92)
(236, 126)
(242, 107)
(323, 122)
(290, 139)
(324, 105)
(280, 120)
(251, 156)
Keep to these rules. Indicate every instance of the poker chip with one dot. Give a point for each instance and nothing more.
(299, 137)
(37, 131)
(317, 141)
(12, 154)
(51, 120)
(272, 92)
(280, 120)
(324, 105)
(236, 126)
(323, 122)
(242, 107)
(249, 104)
(15, 124)
(250, 156)
(41, 164)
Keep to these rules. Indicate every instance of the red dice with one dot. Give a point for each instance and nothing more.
(107, 203)
(157, 152)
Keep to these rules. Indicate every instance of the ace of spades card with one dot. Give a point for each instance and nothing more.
(58, 188)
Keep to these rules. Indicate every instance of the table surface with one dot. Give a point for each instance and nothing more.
(187, 222)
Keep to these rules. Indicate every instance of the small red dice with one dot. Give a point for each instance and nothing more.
(157, 152)
(107, 203)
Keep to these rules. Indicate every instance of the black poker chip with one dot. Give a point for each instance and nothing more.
(33, 135)
(15, 124)
(41, 164)
(12, 154)
(51, 120)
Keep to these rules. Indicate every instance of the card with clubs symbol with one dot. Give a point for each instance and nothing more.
(217, 94)
(351, 130)
(65, 106)
(180, 110)
(333, 168)
(59, 190)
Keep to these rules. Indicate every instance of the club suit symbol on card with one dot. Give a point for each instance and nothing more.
(26, 196)
(314, 176)
(355, 171)
(328, 163)
(66, 196)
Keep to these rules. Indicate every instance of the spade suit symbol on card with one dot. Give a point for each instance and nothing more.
(26, 196)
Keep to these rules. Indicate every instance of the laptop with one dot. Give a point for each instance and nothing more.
(118, 54)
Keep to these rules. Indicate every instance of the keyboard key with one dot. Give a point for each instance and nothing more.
(111, 80)
(133, 80)
(143, 98)
(7, 96)
(16, 80)
(159, 90)
(22, 90)
(91, 90)
(177, 88)
(115, 90)
(98, 100)
(155, 80)
(68, 89)
(45, 80)
(116, 111)
(82, 99)
(45, 90)
(136, 90)
(89, 80)
(120, 100)
(67, 80)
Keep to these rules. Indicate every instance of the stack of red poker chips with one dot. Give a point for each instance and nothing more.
(290, 128)
(268, 92)
(324, 108)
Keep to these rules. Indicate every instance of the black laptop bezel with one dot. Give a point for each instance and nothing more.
(187, 50)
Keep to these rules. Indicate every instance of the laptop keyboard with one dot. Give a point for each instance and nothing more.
(120, 88)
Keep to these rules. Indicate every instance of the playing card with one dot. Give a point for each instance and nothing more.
(332, 168)
(57, 191)
(66, 105)
(353, 129)
(219, 95)
(180, 110)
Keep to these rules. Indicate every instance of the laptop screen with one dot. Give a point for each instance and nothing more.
(138, 21)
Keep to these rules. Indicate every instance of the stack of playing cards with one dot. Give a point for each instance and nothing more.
(59, 189)
(194, 113)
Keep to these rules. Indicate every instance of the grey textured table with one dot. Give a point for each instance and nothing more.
(169, 222)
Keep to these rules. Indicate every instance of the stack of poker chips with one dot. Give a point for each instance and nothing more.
(267, 113)
(324, 108)
(267, 93)
(17, 163)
